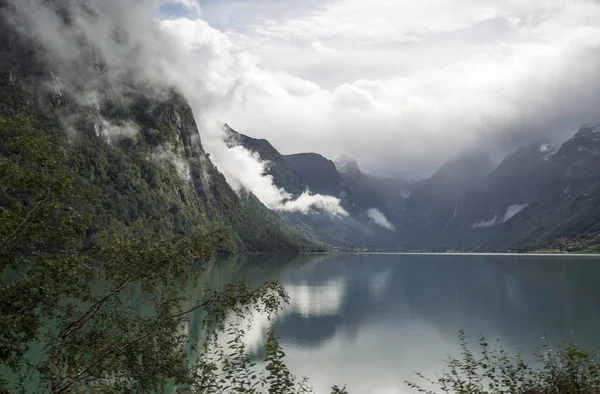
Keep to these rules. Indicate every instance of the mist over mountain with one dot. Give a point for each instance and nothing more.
(160, 159)
(129, 137)
(124, 89)
(365, 223)
(533, 199)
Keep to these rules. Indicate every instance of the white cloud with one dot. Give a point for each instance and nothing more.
(401, 86)
(485, 223)
(224, 67)
(411, 84)
(201, 62)
(379, 219)
(167, 153)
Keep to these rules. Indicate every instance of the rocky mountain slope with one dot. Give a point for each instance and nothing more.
(388, 194)
(565, 213)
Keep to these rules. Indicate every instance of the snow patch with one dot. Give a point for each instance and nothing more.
(513, 210)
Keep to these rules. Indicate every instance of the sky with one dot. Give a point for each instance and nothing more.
(401, 86)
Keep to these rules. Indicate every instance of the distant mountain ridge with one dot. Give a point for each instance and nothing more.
(311, 171)
(140, 149)
(538, 197)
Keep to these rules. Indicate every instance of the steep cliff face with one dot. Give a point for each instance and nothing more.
(138, 146)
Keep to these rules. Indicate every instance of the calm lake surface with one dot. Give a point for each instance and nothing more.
(371, 321)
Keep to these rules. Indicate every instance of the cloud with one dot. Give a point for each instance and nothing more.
(379, 219)
(115, 132)
(400, 86)
(191, 5)
(168, 153)
(245, 170)
(110, 44)
(411, 85)
(485, 223)
(514, 210)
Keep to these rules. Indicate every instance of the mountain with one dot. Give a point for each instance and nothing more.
(318, 173)
(366, 225)
(434, 201)
(388, 194)
(566, 213)
(510, 188)
(138, 147)
(538, 197)
(283, 173)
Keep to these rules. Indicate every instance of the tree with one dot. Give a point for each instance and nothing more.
(566, 369)
(39, 235)
(231, 370)
(74, 296)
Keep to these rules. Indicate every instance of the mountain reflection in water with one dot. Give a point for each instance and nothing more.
(371, 321)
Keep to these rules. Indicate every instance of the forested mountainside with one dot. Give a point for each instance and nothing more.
(137, 148)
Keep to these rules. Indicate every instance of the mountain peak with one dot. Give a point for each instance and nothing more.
(347, 165)
(588, 131)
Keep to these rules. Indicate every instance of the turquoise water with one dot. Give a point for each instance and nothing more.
(372, 320)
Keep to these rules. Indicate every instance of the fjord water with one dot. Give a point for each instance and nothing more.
(372, 320)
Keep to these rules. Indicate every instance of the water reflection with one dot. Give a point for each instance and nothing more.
(371, 321)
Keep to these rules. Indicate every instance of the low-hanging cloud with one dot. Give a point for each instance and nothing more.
(110, 43)
(379, 219)
(408, 85)
(400, 86)
(245, 169)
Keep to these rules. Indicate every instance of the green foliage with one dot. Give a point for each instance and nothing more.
(36, 192)
(71, 261)
(232, 370)
(563, 370)
(39, 234)
(141, 175)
